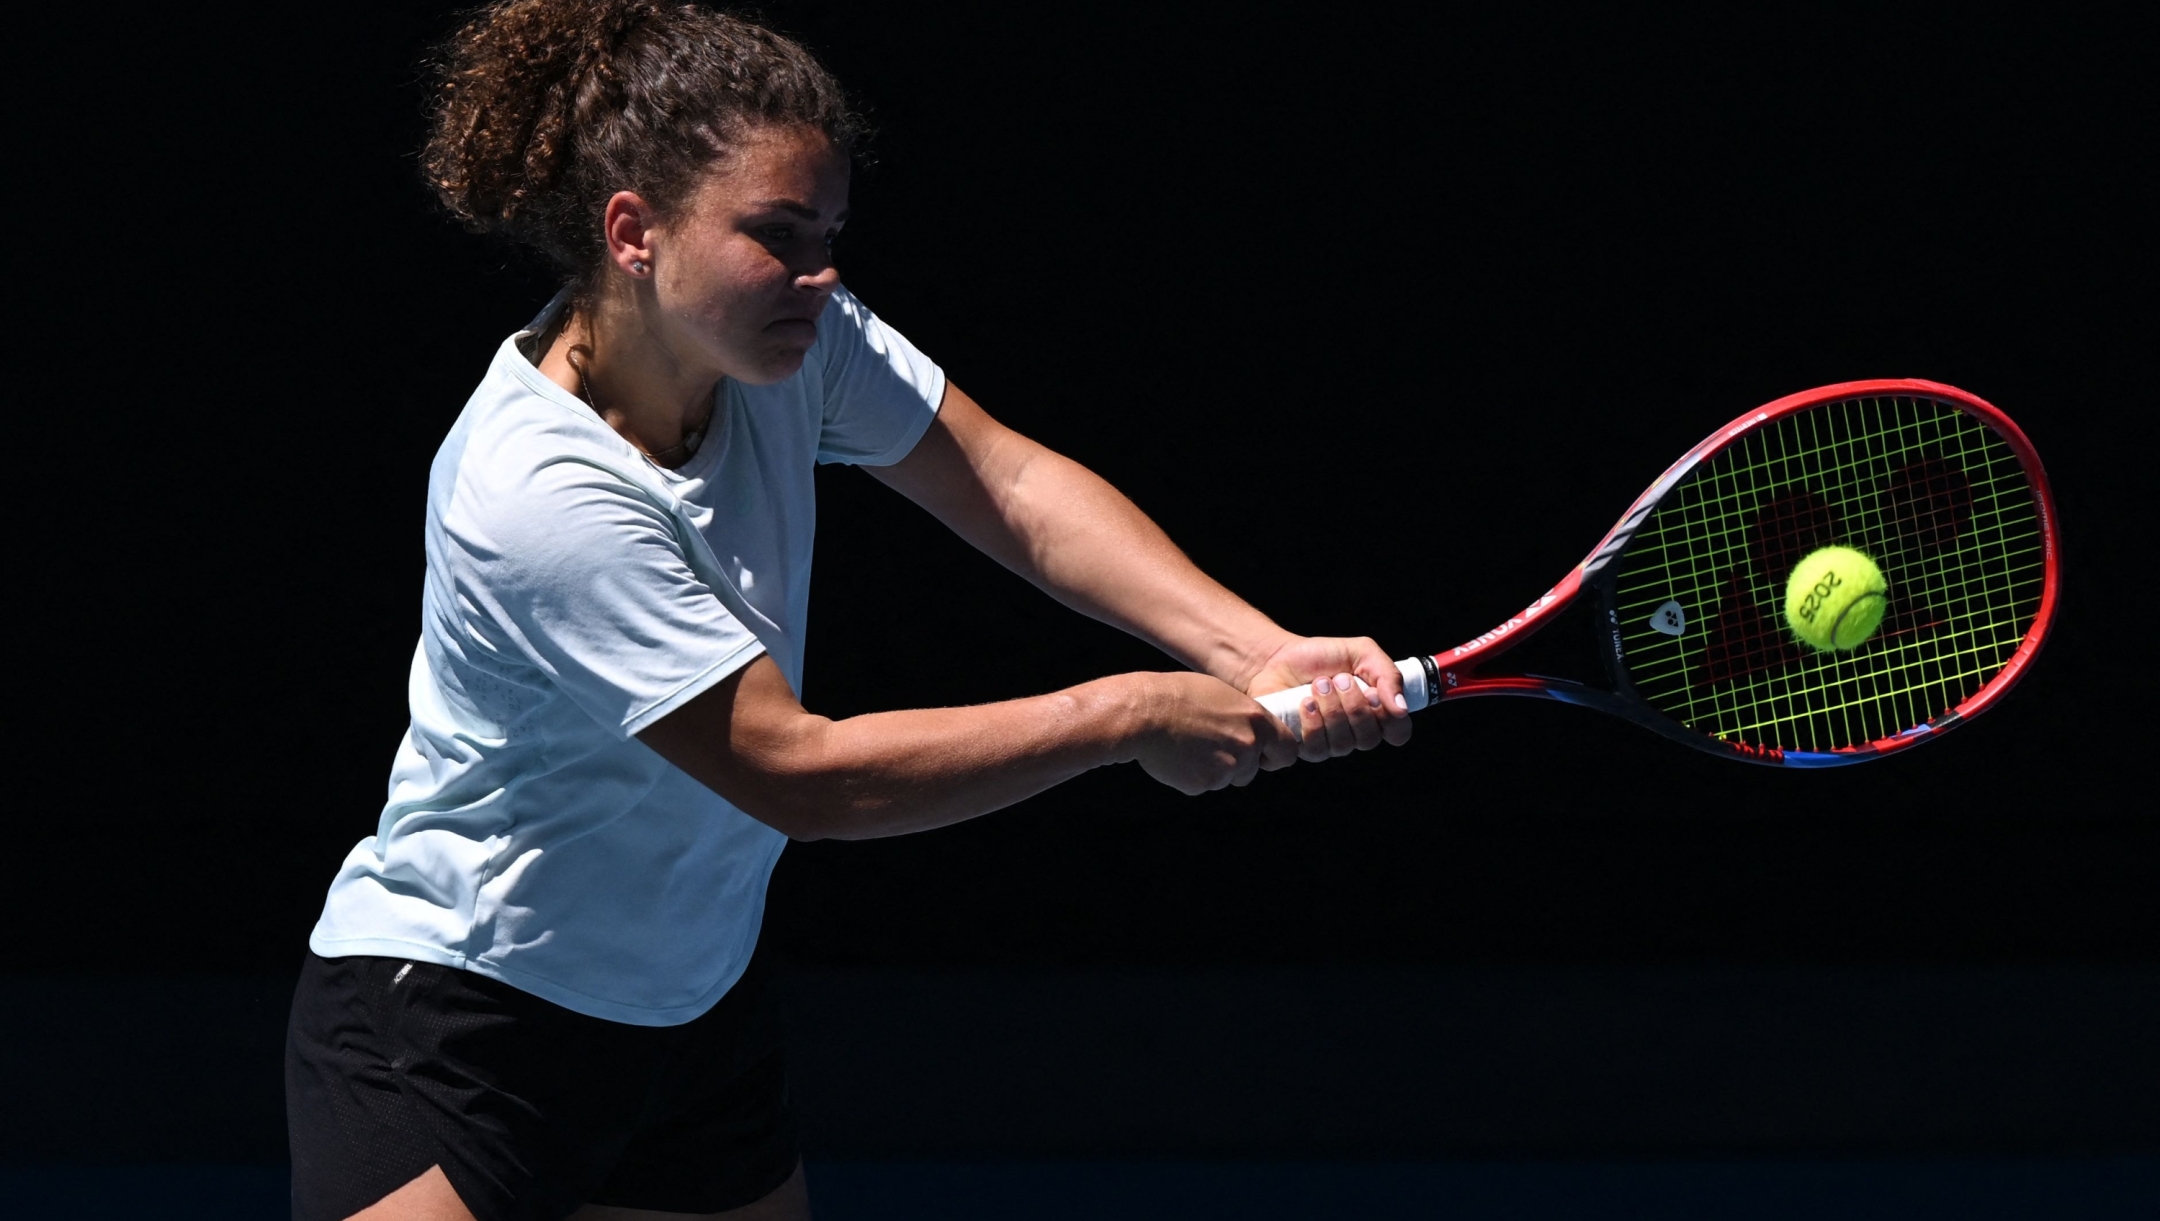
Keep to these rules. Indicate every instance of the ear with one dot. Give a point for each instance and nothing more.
(628, 222)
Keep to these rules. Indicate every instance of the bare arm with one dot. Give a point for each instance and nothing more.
(1064, 528)
(889, 773)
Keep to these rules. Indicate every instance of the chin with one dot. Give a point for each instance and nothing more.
(769, 368)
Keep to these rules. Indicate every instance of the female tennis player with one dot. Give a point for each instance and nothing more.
(531, 992)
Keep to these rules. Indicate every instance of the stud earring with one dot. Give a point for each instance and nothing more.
(637, 267)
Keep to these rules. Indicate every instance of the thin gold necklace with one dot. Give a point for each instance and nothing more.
(691, 438)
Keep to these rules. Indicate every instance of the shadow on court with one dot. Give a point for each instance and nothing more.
(1970, 1190)
(1670, 1092)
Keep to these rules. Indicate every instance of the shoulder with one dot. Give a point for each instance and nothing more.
(527, 468)
(845, 316)
(864, 365)
(849, 333)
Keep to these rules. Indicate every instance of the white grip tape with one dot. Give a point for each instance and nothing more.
(1284, 704)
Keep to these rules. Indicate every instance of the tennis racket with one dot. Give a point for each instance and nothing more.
(1676, 619)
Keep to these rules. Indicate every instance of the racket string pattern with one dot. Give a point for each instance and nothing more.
(1676, 619)
(1938, 498)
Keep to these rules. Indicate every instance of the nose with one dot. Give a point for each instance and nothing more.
(823, 279)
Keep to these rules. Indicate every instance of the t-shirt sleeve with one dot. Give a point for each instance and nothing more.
(588, 578)
(881, 393)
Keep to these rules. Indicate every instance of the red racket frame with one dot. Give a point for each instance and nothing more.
(1453, 674)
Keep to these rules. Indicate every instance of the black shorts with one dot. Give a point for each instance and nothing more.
(530, 1109)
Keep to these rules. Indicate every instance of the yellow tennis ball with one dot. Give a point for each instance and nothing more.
(1836, 598)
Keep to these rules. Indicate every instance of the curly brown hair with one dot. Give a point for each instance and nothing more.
(545, 108)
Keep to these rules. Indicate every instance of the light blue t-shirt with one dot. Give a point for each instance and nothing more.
(575, 594)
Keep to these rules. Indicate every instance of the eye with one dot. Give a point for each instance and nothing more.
(776, 234)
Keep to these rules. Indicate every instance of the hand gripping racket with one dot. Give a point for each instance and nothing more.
(1676, 620)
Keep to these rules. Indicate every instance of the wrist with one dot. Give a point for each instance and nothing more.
(1127, 710)
(1244, 662)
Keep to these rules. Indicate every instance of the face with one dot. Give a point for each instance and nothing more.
(741, 275)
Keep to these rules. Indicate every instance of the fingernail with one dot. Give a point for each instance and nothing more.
(1326, 688)
(1313, 706)
(1372, 696)
(1345, 684)
(1402, 704)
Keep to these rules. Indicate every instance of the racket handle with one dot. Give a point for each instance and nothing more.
(1284, 704)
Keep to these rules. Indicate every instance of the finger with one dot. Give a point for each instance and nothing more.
(1368, 717)
(1395, 730)
(1312, 722)
(1239, 761)
(1335, 712)
(1379, 672)
(1394, 722)
(1359, 705)
(1278, 749)
(1393, 714)
(1216, 775)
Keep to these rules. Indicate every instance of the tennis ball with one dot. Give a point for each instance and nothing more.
(1836, 598)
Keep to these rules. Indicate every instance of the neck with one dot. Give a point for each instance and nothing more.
(612, 356)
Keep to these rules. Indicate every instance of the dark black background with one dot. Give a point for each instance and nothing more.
(1384, 315)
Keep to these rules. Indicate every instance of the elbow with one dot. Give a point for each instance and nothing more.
(800, 821)
(804, 789)
(804, 830)
(808, 812)
(805, 808)
(787, 784)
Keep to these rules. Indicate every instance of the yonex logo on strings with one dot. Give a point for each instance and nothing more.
(1671, 618)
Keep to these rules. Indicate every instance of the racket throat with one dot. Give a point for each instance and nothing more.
(1550, 651)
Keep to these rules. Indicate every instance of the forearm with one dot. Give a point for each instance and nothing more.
(890, 773)
(1084, 543)
(1069, 532)
(1077, 538)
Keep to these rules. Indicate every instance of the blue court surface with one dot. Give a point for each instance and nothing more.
(2086, 1189)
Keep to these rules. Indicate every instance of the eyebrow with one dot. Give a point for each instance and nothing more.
(802, 210)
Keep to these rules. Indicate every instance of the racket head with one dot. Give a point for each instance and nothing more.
(1936, 484)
